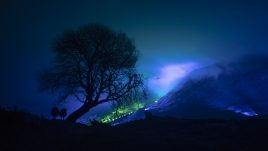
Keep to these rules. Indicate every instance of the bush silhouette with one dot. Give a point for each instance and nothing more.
(55, 112)
(63, 113)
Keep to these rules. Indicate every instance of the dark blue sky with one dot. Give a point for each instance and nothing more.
(166, 32)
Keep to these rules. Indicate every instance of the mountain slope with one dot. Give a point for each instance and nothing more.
(239, 89)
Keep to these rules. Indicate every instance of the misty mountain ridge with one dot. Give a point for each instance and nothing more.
(237, 89)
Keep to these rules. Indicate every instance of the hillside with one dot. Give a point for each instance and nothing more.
(154, 134)
(238, 90)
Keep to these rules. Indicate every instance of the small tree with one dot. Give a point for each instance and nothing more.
(63, 113)
(55, 112)
(95, 65)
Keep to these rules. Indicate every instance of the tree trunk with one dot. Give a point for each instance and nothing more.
(73, 117)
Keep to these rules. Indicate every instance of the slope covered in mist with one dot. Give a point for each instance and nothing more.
(235, 89)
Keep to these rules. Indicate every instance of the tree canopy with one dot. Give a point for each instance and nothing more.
(95, 65)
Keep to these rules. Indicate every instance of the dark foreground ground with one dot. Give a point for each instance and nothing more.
(20, 131)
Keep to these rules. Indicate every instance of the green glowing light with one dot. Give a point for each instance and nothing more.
(122, 112)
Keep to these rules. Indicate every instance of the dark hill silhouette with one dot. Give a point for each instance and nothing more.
(154, 133)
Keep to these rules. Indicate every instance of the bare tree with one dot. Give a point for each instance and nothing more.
(95, 65)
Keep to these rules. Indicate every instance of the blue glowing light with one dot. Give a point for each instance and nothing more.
(240, 111)
(169, 76)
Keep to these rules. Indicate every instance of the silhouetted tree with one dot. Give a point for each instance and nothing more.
(55, 112)
(94, 65)
(63, 113)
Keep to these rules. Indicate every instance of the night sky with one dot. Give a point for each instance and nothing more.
(171, 36)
